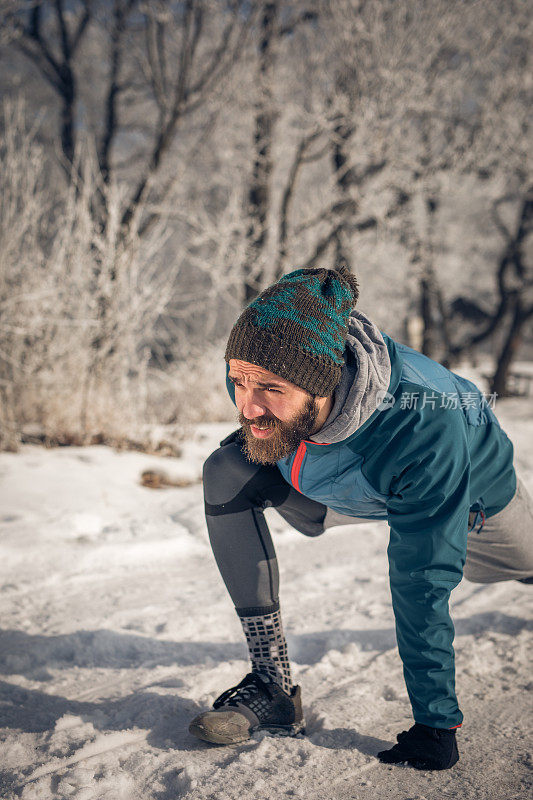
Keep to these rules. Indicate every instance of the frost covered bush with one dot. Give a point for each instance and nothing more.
(193, 391)
(78, 301)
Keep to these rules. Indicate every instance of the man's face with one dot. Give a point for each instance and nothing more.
(275, 414)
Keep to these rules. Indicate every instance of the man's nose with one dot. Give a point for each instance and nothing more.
(251, 407)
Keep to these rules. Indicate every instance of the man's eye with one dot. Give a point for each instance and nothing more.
(238, 385)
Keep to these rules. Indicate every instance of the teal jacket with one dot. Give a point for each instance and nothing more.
(426, 449)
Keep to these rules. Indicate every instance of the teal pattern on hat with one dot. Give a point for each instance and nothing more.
(297, 328)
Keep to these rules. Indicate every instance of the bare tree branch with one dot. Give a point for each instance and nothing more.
(338, 207)
(57, 72)
(334, 233)
(216, 61)
(82, 25)
(288, 193)
(43, 65)
(188, 94)
(156, 53)
(512, 257)
(121, 11)
(33, 31)
(504, 230)
(306, 15)
(64, 34)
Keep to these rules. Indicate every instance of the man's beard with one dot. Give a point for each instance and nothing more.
(285, 438)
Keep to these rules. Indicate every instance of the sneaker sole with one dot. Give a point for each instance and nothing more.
(226, 738)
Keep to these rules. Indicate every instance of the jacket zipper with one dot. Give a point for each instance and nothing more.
(296, 466)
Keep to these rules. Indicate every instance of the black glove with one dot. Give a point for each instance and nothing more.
(423, 748)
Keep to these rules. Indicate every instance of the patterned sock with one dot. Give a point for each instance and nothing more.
(268, 648)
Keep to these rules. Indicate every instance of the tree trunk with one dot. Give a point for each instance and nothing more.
(511, 345)
(426, 312)
(512, 276)
(345, 179)
(259, 195)
(68, 144)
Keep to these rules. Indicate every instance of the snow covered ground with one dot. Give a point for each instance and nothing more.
(116, 629)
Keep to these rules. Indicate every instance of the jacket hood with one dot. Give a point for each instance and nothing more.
(365, 379)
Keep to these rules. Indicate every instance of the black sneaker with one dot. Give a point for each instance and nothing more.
(253, 705)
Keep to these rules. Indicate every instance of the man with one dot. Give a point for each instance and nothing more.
(342, 424)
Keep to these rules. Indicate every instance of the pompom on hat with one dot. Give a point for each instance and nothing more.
(297, 328)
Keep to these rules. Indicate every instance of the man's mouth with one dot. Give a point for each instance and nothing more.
(261, 431)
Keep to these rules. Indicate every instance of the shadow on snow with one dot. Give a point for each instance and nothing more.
(165, 715)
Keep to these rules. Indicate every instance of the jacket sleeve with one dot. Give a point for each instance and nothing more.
(427, 512)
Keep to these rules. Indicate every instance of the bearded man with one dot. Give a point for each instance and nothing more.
(328, 437)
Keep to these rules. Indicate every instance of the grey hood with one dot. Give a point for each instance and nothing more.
(365, 377)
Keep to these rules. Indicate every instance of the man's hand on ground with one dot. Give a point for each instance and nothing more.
(423, 747)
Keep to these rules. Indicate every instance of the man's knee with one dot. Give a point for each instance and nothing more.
(503, 549)
(225, 472)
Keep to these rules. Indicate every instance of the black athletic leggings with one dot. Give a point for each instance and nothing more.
(236, 493)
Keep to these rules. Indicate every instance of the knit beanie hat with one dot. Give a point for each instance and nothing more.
(297, 328)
